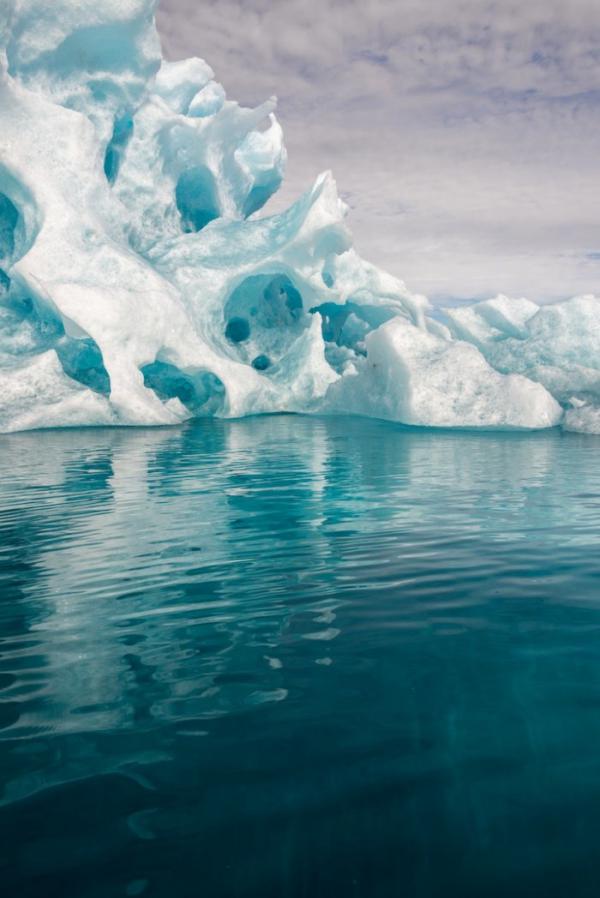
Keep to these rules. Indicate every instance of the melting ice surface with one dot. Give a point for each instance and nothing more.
(139, 283)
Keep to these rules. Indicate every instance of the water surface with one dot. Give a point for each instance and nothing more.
(300, 658)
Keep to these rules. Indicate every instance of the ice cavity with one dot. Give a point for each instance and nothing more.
(140, 282)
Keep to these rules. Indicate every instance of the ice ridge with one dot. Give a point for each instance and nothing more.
(140, 283)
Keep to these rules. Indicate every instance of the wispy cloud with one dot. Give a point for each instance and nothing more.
(465, 134)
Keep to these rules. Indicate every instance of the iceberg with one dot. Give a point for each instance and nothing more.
(142, 282)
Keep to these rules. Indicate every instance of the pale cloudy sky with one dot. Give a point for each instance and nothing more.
(464, 134)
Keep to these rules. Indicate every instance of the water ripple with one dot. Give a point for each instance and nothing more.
(278, 654)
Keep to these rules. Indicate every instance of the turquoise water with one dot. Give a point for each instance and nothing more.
(301, 658)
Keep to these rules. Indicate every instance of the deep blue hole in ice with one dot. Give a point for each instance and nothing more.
(237, 330)
(327, 278)
(82, 360)
(80, 357)
(336, 325)
(9, 217)
(282, 287)
(122, 131)
(333, 316)
(271, 300)
(261, 362)
(4, 282)
(196, 198)
(202, 392)
(267, 310)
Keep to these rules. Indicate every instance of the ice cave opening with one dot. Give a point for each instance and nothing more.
(196, 198)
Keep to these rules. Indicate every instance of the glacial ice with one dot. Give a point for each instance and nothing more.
(141, 281)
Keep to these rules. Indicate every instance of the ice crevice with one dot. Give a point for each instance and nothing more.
(142, 280)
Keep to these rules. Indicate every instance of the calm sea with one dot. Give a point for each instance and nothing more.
(288, 657)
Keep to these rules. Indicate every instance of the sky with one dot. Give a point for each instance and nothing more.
(463, 134)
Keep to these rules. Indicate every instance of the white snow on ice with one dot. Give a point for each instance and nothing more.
(139, 283)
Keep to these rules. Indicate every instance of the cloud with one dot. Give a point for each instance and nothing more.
(465, 134)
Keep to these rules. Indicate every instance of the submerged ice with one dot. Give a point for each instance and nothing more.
(140, 283)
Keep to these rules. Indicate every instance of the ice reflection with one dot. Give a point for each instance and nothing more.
(225, 646)
(167, 575)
